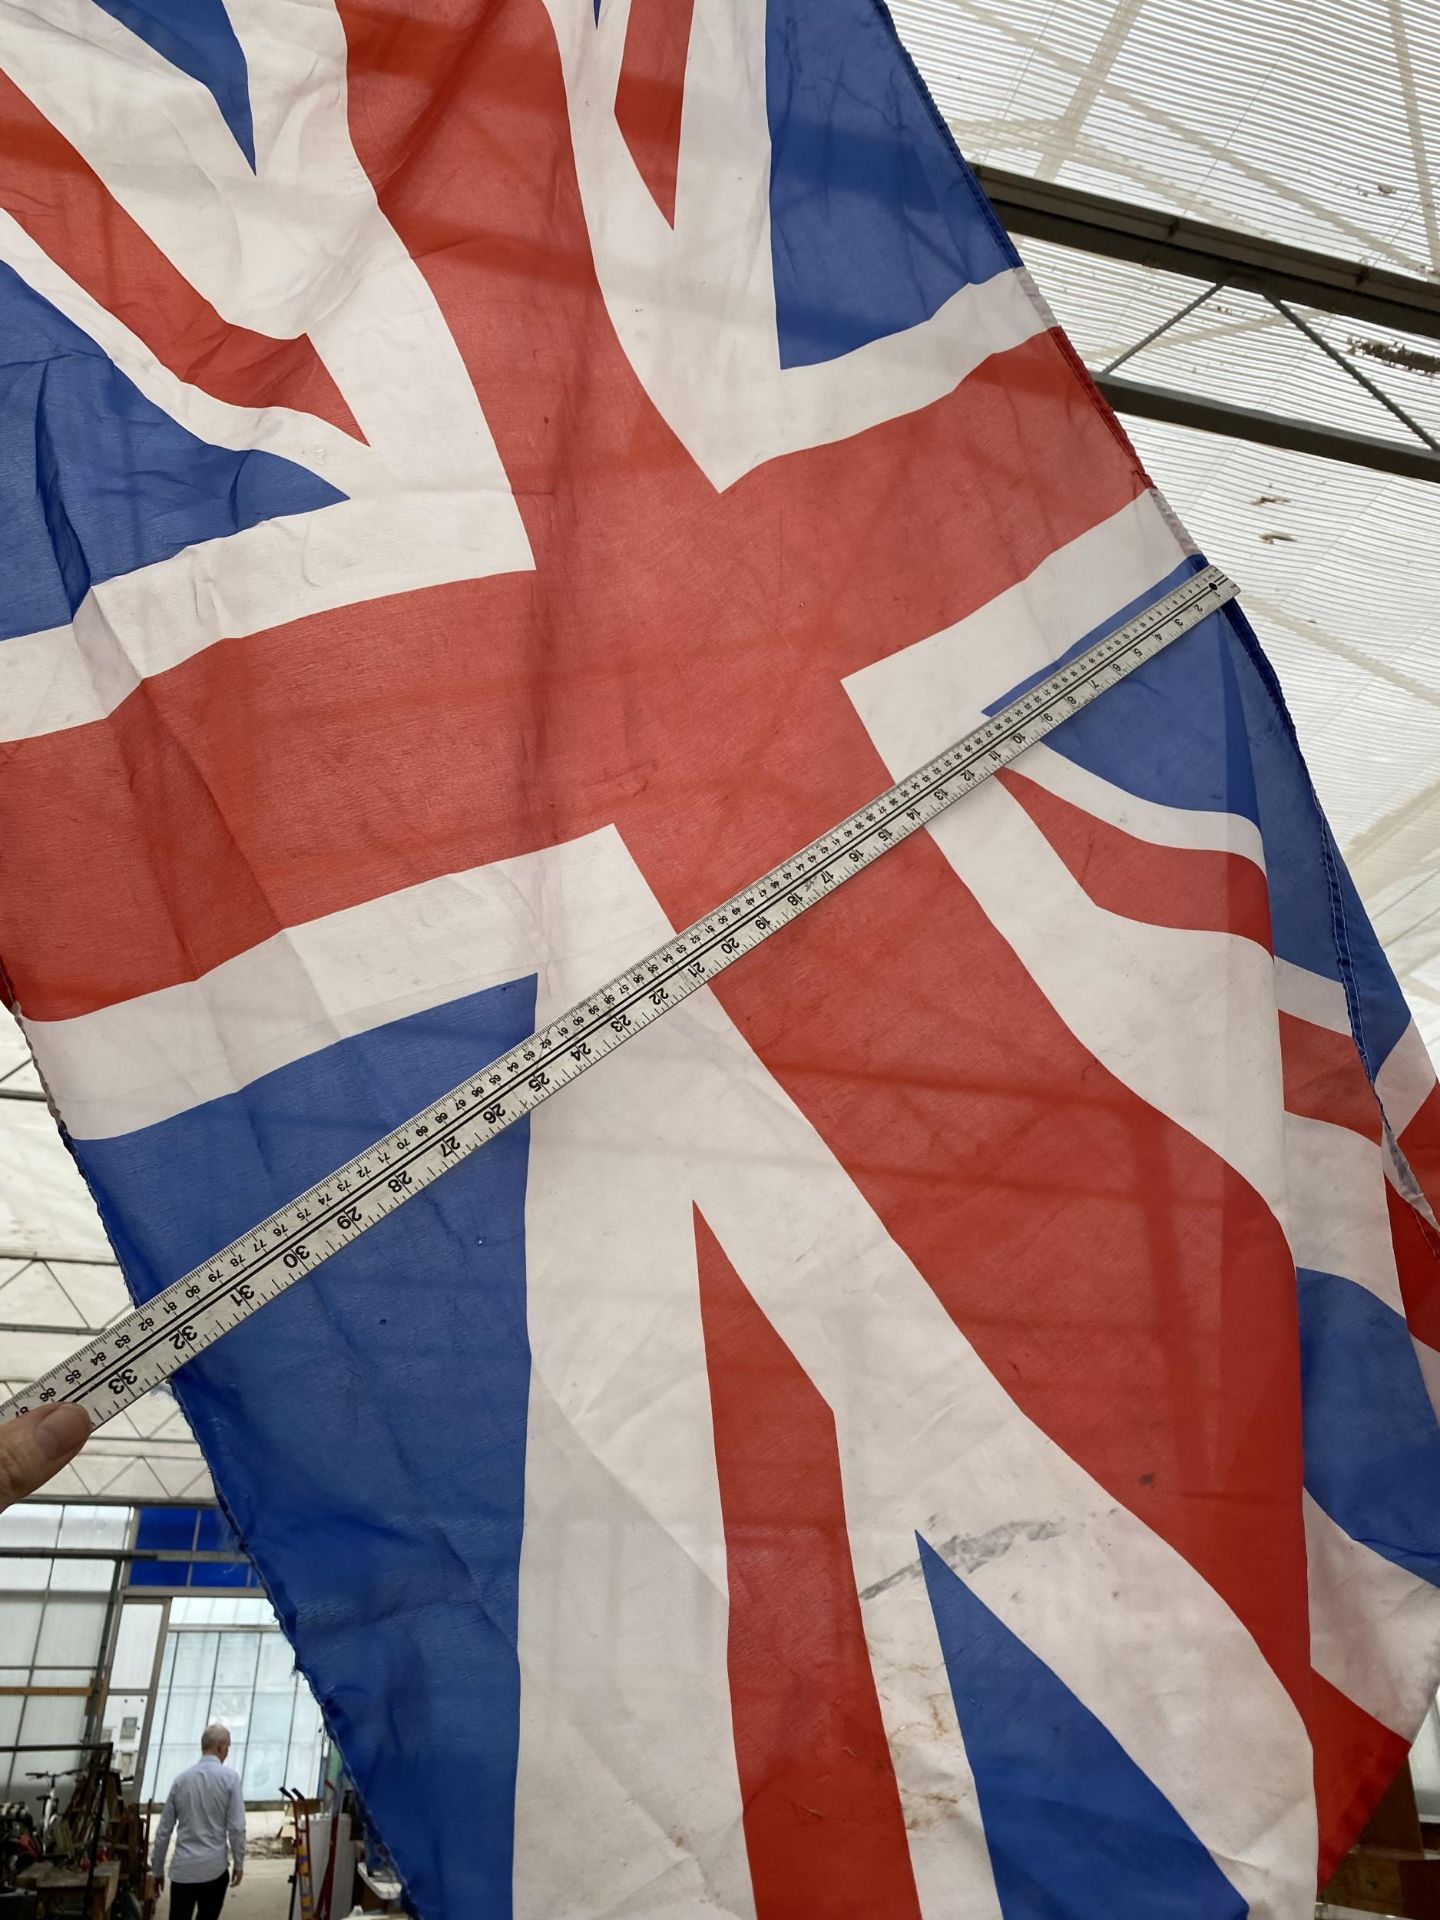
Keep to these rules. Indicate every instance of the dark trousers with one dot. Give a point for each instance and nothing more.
(199, 1899)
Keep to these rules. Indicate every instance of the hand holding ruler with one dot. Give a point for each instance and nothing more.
(147, 1346)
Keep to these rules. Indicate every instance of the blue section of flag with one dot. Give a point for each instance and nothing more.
(367, 1430)
(1379, 1012)
(875, 220)
(196, 36)
(1372, 1445)
(95, 481)
(1202, 726)
(1075, 1830)
(1316, 914)
(1173, 731)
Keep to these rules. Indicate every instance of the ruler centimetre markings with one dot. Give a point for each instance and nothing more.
(148, 1345)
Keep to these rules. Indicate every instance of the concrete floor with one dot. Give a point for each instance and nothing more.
(264, 1893)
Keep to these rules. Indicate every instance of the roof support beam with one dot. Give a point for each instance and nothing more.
(78, 1334)
(56, 1257)
(1269, 429)
(190, 1557)
(1121, 230)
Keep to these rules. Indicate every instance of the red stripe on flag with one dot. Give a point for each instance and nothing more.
(823, 1821)
(69, 211)
(1417, 1263)
(1187, 887)
(650, 98)
(674, 648)
(1420, 1144)
(1325, 1078)
(1356, 1758)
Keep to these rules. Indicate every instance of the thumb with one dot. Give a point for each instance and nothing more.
(37, 1445)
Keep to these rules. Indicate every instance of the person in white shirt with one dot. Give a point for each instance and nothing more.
(208, 1805)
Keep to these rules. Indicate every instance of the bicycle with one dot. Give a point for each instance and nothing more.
(50, 1805)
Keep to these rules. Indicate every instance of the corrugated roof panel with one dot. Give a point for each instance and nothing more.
(1313, 126)
(1238, 347)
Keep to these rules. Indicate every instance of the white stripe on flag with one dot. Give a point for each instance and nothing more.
(1311, 996)
(710, 277)
(1374, 1627)
(1186, 828)
(1405, 1080)
(142, 1060)
(951, 677)
(628, 1796)
(1339, 1222)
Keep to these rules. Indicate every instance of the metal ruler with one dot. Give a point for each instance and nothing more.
(148, 1345)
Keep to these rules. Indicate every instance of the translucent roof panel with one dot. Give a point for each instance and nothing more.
(1308, 124)
(1239, 348)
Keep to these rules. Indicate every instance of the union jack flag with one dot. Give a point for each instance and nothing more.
(939, 1425)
